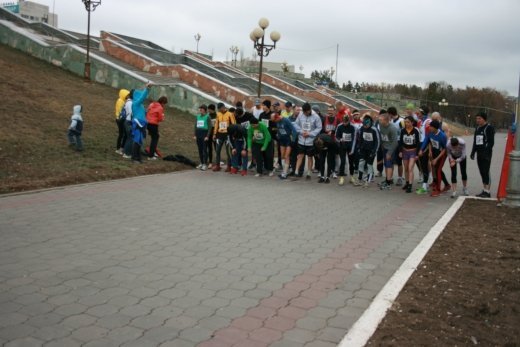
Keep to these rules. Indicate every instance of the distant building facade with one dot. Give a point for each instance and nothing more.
(32, 11)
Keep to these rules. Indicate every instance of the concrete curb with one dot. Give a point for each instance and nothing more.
(367, 324)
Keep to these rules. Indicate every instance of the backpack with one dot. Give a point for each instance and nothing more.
(122, 114)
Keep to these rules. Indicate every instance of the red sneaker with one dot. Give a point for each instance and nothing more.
(435, 193)
(216, 168)
(446, 188)
(228, 169)
(243, 172)
(233, 171)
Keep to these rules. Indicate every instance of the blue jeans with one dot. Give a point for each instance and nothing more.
(75, 139)
(237, 159)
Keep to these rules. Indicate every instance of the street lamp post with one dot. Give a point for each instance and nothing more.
(197, 38)
(443, 102)
(234, 52)
(90, 5)
(263, 49)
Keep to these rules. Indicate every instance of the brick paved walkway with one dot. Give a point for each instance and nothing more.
(200, 259)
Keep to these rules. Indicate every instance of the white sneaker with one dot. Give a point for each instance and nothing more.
(453, 194)
(199, 166)
(257, 175)
(353, 180)
(334, 175)
(341, 181)
(119, 151)
(399, 182)
(204, 167)
(465, 191)
(271, 174)
(152, 158)
(127, 156)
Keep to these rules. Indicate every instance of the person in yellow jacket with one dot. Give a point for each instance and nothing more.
(120, 121)
(222, 122)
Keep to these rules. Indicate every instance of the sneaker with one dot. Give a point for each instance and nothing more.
(365, 184)
(228, 169)
(409, 188)
(152, 158)
(199, 166)
(454, 195)
(465, 191)
(357, 183)
(435, 193)
(399, 182)
(421, 191)
(210, 166)
(233, 171)
(216, 168)
(222, 163)
(446, 188)
(484, 194)
(119, 151)
(308, 177)
(204, 167)
(327, 180)
(243, 172)
(334, 175)
(385, 186)
(321, 180)
(353, 180)
(341, 181)
(282, 176)
(271, 174)
(258, 175)
(127, 156)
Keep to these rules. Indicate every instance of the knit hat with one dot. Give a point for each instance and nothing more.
(266, 103)
(482, 115)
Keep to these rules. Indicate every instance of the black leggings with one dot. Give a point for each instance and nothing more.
(329, 156)
(153, 130)
(202, 145)
(462, 171)
(344, 153)
(121, 136)
(424, 165)
(484, 163)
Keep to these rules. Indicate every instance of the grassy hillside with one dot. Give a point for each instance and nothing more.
(37, 101)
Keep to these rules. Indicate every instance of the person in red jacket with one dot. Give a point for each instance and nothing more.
(154, 116)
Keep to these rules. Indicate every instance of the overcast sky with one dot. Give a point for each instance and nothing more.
(462, 42)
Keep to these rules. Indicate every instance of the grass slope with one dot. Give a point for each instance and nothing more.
(37, 101)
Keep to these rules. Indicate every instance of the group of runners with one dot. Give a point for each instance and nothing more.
(370, 144)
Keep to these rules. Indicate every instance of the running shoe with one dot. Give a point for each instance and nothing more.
(321, 180)
(385, 186)
(465, 191)
(341, 181)
(399, 181)
(435, 193)
(199, 166)
(334, 175)
(409, 188)
(365, 185)
(243, 172)
(483, 194)
(327, 180)
(204, 167)
(353, 180)
(421, 191)
(446, 188)
(282, 176)
(454, 195)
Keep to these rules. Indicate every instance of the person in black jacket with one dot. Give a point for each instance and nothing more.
(327, 148)
(483, 142)
(346, 138)
(368, 145)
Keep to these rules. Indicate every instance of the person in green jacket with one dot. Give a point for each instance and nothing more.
(202, 127)
(258, 142)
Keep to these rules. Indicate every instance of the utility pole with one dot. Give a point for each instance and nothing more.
(337, 55)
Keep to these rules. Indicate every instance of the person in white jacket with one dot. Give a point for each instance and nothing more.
(308, 126)
(75, 129)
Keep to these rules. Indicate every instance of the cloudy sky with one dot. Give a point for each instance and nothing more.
(462, 42)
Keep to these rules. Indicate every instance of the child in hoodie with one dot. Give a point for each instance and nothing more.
(76, 128)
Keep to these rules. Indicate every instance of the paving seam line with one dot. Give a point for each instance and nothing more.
(367, 324)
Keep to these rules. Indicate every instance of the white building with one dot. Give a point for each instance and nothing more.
(32, 11)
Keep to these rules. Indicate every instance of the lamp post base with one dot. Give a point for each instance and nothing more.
(513, 184)
(87, 71)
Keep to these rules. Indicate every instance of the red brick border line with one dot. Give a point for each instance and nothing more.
(265, 324)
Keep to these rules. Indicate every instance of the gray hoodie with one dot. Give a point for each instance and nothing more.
(311, 124)
(389, 137)
(76, 121)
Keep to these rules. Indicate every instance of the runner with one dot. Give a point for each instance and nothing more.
(346, 138)
(368, 145)
(202, 126)
(294, 143)
(483, 142)
(237, 141)
(456, 149)
(436, 142)
(389, 142)
(308, 125)
(327, 148)
(398, 122)
(409, 143)
(265, 118)
(258, 142)
(424, 129)
(288, 111)
(286, 135)
(211, 133)
(223, 121)
(330, 124)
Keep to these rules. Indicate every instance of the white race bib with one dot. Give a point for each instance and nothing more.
(368, 137)
(246, 125)
(266, 122)
(408, 140)
(347, 137)
(200, 124)
(258, 135)
(306, 126)
(384, 137)
(282, 131)
(222, 125)
(435, 144)
(479, 139)
(330, 127)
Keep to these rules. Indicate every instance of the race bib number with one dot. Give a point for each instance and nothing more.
(282, 131)
(479, 139)
(306, 126)
(384, 137)
(408, 140)
(368, 137)
(435, 144)
(330, 127)
(213, 121)
(200, 124)
(259, 136)
(222, 125)
(266, 122)
(348, 137)
(246, 125)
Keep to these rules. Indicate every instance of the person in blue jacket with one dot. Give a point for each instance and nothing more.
(286, 134)
(436, 141)
(139, 121)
